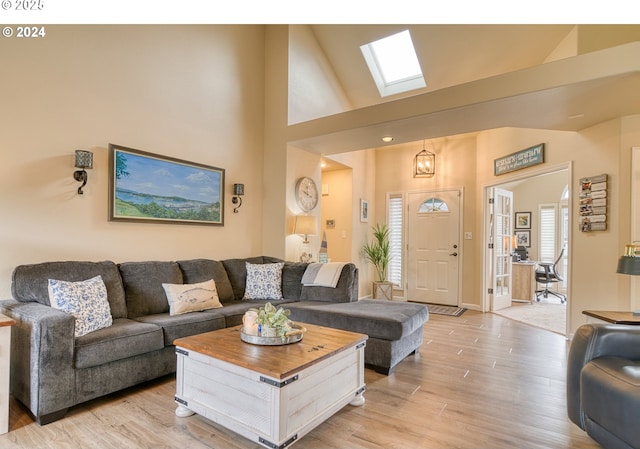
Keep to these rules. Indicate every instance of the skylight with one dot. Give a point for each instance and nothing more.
(393, 64)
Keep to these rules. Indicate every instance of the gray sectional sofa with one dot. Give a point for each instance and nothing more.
(52, 369)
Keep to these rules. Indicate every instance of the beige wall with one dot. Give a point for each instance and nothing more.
(314, 90)
(630, 138)
(190, 92)
(299, 164)
(273, 222)
(364, 178)
(337, 205)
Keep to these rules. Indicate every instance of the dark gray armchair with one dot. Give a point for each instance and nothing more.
(603, 384)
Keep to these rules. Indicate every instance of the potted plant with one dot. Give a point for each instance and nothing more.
(378, 253)
(273, 322)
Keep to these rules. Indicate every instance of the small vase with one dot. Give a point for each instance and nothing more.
(268, 331)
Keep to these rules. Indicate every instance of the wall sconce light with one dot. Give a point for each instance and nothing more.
(238, 191)
(305, 225)
(424, 164)
(84, 160)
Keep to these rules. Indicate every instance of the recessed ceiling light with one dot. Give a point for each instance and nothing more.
(387, 139)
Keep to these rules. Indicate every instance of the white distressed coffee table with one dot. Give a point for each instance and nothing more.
(270, 394)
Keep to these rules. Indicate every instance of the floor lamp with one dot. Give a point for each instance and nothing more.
(629, 263)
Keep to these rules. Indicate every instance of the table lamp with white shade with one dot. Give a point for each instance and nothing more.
(305, 225)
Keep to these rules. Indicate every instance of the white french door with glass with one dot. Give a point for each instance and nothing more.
(499, 248)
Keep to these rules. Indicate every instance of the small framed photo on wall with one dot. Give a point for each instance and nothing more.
(523, 238)
(364, 211)
(523, 220)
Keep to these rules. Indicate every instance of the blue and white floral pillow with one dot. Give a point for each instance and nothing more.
(264, 281)
(85, 300)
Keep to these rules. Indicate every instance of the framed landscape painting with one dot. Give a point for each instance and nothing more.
(147, 187)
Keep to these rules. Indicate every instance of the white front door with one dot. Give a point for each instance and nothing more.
(500, 232)
(433, 234)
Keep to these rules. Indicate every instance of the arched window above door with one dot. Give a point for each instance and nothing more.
(433, 205)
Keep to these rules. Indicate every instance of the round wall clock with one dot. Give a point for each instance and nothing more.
(306, 193)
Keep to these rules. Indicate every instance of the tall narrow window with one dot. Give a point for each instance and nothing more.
(548, 234)
(395, 205)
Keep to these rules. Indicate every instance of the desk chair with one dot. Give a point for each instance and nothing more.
(547, 273)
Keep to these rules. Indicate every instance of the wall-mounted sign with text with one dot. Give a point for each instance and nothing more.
(519, 160)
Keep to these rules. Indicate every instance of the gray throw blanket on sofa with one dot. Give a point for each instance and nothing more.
(322, 274)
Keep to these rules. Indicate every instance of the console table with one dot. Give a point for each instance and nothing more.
(5, 353)
(524, 281)
(613, 317)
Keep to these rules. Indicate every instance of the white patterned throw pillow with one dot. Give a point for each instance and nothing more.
(264, 281)
(185, 298)
(85, 300)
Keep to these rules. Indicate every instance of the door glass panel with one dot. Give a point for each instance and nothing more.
(502, 246)
(433, 205)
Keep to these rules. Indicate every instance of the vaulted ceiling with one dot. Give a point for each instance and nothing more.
(449, 54)
(478, 77)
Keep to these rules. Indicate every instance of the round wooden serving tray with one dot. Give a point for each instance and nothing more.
(293, 336)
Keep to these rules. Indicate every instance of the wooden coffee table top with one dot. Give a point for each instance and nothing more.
(277, 362)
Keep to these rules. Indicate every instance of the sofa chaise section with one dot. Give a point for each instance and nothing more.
(394, 328)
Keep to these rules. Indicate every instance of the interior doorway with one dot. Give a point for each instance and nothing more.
(542, 200)
(336, 220)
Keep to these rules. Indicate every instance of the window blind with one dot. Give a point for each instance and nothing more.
(395, 220)
(547, 242)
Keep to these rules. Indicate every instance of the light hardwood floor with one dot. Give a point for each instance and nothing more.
(479, 381)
